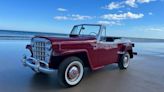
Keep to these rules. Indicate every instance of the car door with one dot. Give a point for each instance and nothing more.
(107, 52)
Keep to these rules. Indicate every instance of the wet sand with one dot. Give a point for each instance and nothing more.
(145, 73)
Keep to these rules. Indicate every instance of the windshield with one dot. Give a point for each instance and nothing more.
(86, 30)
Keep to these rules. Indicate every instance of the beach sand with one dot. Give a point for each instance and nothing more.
(145, 73)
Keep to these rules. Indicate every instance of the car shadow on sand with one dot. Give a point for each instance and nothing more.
(40, 81)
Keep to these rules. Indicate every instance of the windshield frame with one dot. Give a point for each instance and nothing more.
(78, 34)
(99, 34)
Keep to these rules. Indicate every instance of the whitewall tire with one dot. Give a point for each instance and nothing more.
(124, 61)
(70, 71)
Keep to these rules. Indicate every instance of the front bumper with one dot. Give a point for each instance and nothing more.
(36, 65)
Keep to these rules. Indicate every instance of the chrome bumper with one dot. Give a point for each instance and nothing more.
(35, 65)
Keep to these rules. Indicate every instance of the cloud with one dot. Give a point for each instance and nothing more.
(123, 16)
(61, 17)
(62, 9)
(144, 1)
(80, 17)
(120, 11)
(122, 4)
(154, 29)
(73, 17)
(109, 22)
(113, 5)
(150, 13)
(131, 3)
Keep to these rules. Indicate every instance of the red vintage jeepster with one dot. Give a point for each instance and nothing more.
(86, 46)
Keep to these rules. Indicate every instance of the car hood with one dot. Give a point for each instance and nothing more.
(63, 39)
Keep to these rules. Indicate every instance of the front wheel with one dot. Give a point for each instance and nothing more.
(70, 71)
(124, 61)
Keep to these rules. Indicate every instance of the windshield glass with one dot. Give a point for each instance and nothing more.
(85, 30)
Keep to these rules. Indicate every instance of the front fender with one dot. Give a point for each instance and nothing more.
(75, 52)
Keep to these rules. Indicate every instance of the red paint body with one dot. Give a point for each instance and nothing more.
(86, 46)
(98, 54)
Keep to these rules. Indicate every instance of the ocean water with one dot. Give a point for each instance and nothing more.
(150, 48)
(25, 33)
(15, 33)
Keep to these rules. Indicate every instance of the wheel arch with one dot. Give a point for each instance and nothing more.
(130, 51)
(83, 55)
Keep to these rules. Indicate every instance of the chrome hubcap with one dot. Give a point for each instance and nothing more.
(126, 61)
(73, 73)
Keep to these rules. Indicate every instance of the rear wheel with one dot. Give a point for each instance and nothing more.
(124, 61)
(70, 71)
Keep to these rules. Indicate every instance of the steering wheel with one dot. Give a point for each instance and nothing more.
(92, 33)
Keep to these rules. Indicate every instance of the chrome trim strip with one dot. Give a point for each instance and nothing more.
(74, 42)
(120, 52)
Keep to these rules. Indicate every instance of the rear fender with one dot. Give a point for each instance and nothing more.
(127, 48)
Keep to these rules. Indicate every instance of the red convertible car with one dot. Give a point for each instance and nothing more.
(86, 46)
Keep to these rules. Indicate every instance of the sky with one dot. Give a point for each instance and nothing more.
(128, 18)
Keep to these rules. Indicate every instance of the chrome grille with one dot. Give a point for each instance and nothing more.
(41, 49)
